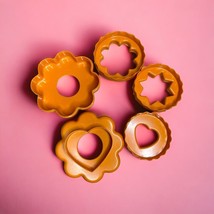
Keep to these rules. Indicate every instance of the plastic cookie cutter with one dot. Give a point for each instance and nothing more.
(119, 38)
(154, 123)
(51, 70)
(91, 169)
(169, 76)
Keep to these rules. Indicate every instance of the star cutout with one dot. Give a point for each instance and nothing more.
(156, 88)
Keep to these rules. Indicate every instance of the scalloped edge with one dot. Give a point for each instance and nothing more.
(116, 153)
(180, 84)
(132, 71)
(56, 59)
(169, 137)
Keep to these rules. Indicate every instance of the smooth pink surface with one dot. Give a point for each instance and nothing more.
(67, 85)
(177, 33)
(89, 146)
(145, 136)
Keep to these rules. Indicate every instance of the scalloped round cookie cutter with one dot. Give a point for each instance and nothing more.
(169, 76)
(119, 38)
(155, 123)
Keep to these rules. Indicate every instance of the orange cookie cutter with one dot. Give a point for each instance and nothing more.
(51, 70)
(155, 123)
(108, 160)
(169, 76)
(119, 38)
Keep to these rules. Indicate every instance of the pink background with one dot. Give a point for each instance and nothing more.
(178, 33)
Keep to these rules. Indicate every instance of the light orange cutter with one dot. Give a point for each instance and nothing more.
(51, 70)
(91, 169)
(155, 123)
(119, 38)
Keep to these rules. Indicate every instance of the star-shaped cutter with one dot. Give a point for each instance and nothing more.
(169, 76)
(167, 89)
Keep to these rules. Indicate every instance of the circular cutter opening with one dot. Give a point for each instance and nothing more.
(90, 146)
(67, 86)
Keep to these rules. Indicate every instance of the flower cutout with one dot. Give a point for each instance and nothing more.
(49, 73)
(91, 169)
(119, 38)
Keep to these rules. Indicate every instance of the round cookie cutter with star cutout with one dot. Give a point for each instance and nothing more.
(169, 76)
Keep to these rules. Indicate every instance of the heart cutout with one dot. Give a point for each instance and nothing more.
(153, 123)
(145, 136)
(72, 147)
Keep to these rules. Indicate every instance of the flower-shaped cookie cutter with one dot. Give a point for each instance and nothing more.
(119, 38)
(169, 76)
(51, 70)
(155, 123)
(93, 169)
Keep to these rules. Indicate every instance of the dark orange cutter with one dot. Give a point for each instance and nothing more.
(51, 70)
(119, 38)
(93, 169)
(169, 76)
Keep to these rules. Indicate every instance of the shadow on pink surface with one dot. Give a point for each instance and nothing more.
(39, 53)
(46, 50)
(26, 90)
(88, 39)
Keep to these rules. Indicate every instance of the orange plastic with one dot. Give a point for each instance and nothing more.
(51, 70)
(119, 38)
(155, 123)
(108, 160)
(169, 76)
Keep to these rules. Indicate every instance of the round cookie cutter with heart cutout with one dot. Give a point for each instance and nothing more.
(155, 123)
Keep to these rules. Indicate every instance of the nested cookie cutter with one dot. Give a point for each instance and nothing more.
(91, 169)
(169, 76)
(44, 85)
(119, 38)
(155, 123)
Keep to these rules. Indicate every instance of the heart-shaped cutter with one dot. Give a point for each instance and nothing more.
(155, 123)
(72, 145)
(108, 160)
(119, 38)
